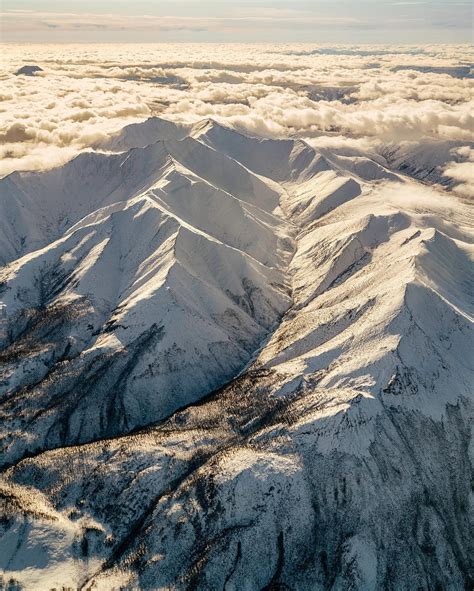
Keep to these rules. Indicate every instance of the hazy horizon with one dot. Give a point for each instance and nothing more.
(320, 21)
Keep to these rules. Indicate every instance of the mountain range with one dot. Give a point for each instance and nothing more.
(234, 362)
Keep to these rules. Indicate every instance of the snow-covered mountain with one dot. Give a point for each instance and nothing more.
(426, 160)
(234, 363)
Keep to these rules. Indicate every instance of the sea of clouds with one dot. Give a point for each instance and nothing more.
(352, 99)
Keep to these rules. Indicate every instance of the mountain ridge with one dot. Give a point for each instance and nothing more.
(273, 386)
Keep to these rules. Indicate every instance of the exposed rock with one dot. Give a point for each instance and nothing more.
(28, 71)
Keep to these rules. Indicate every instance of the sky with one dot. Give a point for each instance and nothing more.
(313, 21)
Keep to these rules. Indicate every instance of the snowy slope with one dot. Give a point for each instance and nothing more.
(290, 330)
(151, 300)
(139, 135)
(425, 161)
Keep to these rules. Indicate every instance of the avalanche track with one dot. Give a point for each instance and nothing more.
(230, 362)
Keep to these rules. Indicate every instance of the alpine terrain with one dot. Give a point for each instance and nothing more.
(234, 363)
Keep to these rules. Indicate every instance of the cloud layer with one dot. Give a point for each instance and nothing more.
(352, 98)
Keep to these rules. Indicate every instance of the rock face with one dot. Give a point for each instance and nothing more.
(234, 363)
(28, 71)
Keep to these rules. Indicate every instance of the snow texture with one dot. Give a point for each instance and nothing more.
(236, 363)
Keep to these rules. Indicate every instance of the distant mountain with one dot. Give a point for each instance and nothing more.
(425, 161)
(230, 362)
(28, 71)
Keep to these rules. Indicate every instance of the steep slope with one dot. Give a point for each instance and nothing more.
(280, 160)
(135, 312)
(425, 160)
(340, 458)
(37, 208)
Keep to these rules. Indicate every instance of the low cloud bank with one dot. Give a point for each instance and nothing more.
(347, 98)
(462, 172)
